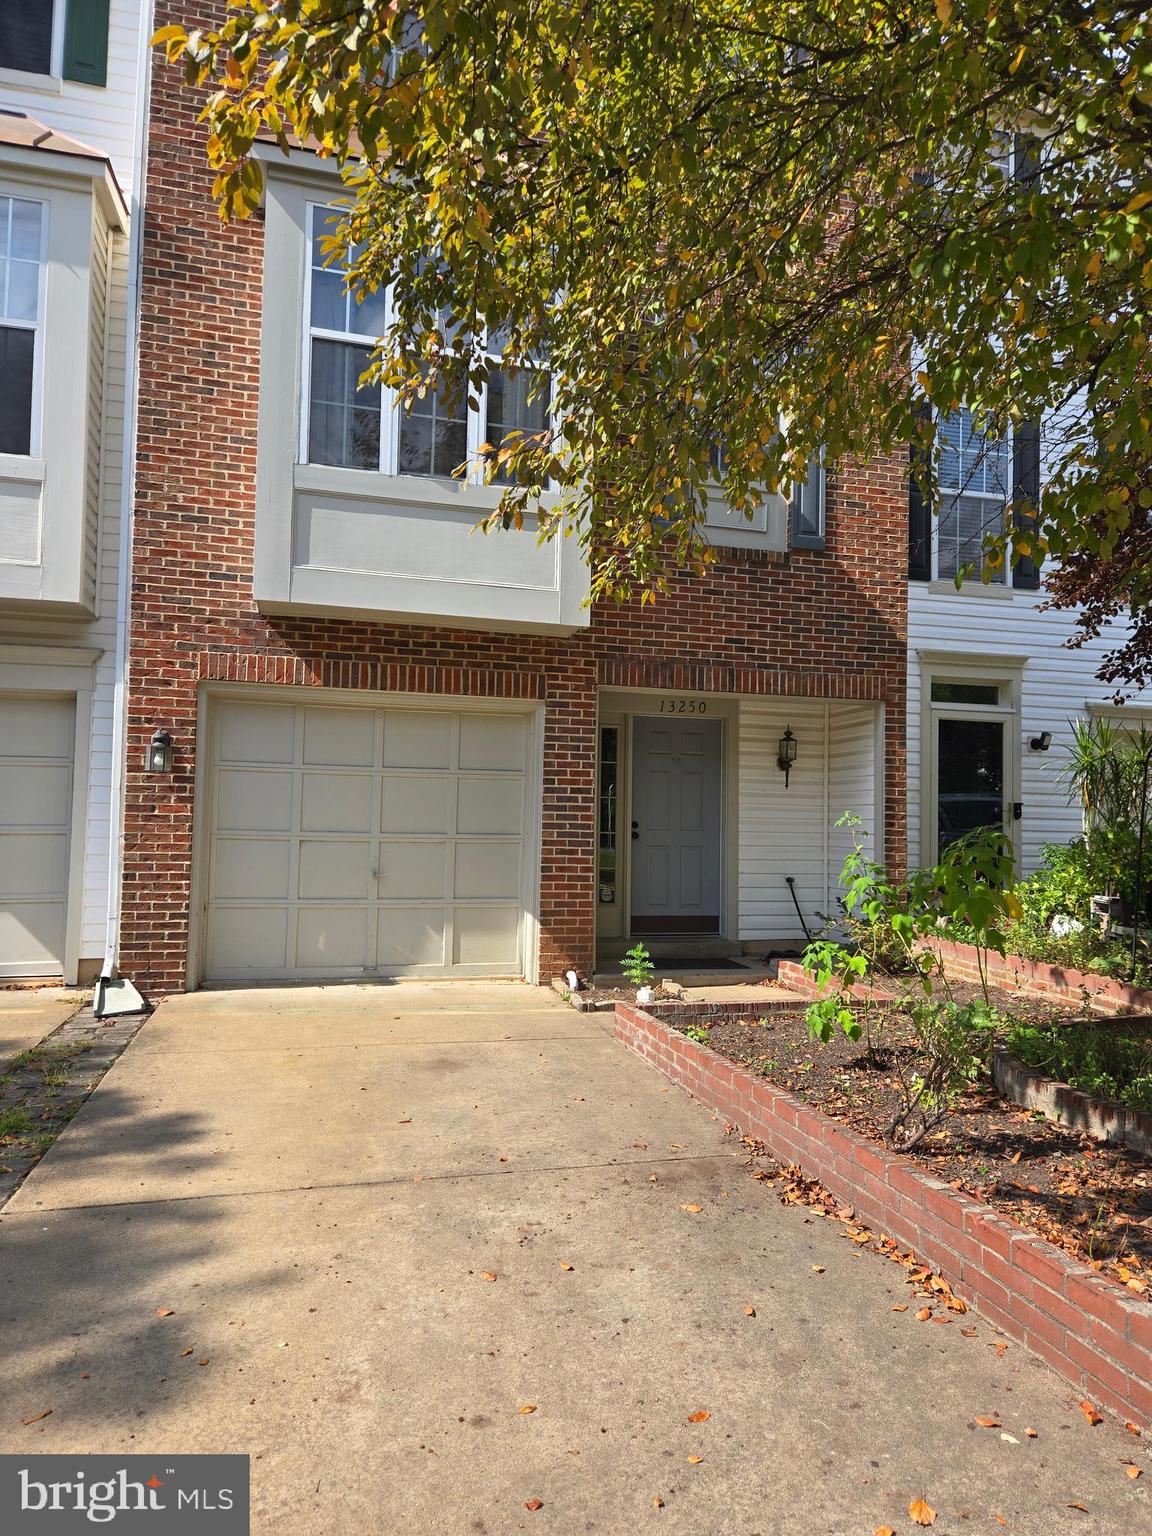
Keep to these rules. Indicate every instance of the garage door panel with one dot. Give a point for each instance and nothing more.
(489, 870)
(332, 938)
(417, 739)
(344, 738)
(32, 933)
(34, 727)
(35, 794)
(336, 802)
(251, 867)
(416, 804)
(338, 870)
(486, 935)
(33, 864)
(490, 806)
(410, 936)
(263, 733)
(249, 940)
(250, 800)
(413, 871)
(493, 741)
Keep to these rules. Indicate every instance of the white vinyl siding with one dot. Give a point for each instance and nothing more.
(790, 830)
(1057, 685)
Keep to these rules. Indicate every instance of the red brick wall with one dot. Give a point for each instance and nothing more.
(812, 625)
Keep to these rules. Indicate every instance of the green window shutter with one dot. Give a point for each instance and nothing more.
(86, 42)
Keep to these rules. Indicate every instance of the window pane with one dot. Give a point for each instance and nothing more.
(511, 410)
(962, 524)
(23, 290)
(17, 352)
(26, 225)
(329, 301)
(971, 777)
(965, 693)
(26, 35)
(434, 433)
(344, 419)
(808, 506)
(20, 226)
(333, 308)
(608, 800)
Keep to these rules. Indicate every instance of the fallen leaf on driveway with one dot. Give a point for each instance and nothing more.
(818, 1268)
(486, 1274)
(987, 1423)
(679, 1146)
(1031, 1433)
(1133, 1429)
(922, 1513)
(884, 1530)
(641, 1146)
(187, 1351)
(1011, 1439)
(1133, 1471)
(534, 1504)
(165, 1311)
(85, 1375)
(567, 1266)
(201, 1362)
(693, 1210)
(657, 1502)
(699, 1417)
(1090, 1413)
(749, 1311)
(924, 1314)
(900, 1307)
(36, 1417)
(695, 1460)
(528, 1408)
(1083, 1508)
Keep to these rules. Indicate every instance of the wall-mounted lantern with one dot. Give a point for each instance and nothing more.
(786, 753)
(159, 755)
(1042, 742)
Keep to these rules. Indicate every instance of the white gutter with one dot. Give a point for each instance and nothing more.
(127, 493)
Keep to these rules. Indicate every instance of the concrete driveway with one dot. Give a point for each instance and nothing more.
(321, 1185)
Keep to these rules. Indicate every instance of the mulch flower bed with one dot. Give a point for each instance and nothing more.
(1090, 1199)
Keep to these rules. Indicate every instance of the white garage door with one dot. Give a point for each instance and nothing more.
(35, 815)
(357, 841)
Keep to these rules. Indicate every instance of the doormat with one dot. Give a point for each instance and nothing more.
(696, 963)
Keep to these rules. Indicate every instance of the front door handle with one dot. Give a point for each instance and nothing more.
(635, 830)
(1017, 810)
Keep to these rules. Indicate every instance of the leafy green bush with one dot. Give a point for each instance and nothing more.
(1103, 1060)
(970, 887)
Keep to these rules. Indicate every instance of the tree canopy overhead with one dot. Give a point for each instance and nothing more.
(764, 225)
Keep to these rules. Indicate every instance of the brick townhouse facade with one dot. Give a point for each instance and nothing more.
(290, 716)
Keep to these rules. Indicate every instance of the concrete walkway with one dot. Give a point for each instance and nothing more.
(27, 1016)
(320, 1184)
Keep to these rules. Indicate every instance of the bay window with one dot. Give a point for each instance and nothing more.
(22, 226)
(358, 425)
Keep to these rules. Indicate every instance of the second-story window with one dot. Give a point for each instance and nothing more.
(356, 426)
(975, 480)
(21, 284)
(26, 35)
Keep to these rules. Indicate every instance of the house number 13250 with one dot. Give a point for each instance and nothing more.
(683, 706)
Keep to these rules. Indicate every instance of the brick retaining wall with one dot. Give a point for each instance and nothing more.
(1088, 1328)
(1036, 979)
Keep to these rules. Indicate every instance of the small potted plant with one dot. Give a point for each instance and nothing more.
(637, 966)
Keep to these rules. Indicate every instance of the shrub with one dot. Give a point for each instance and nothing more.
(1100, 1059)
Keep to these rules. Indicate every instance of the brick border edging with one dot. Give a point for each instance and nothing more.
(1037, 979)
(1090, 1330)
(1105, 1119)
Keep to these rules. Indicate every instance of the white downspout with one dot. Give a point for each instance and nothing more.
(127, 494)
(827, 804)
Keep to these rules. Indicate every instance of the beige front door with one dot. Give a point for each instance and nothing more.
(360, 841)
(36, 766)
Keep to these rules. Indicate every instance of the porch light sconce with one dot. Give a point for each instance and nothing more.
(1042, 742)
(159, 757)
(786, 753)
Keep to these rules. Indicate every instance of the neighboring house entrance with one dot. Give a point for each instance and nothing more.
(360, 840)
(675, 831)
(36, 757)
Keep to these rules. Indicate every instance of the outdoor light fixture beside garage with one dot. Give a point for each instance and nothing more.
(786, 753)
(159, 758)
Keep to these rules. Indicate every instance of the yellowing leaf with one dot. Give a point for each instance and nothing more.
(944, 11)
(695, 1461)
(567, 1266)
(1132, 1470)
(693, 1209)
(527, 1408)
(534, 1504)
(165, 1312)
(1089, 1411)
(924, 1314)
(1141, 200)
(699, 1417)
(984, 1423)
(921, 1512)
(884, 1530)
(1094, 263)
(486, 1274)
(749, 1311)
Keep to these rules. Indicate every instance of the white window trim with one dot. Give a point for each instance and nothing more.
(37, 80)
(476, 421)
(1000, 580)
(36, 326)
